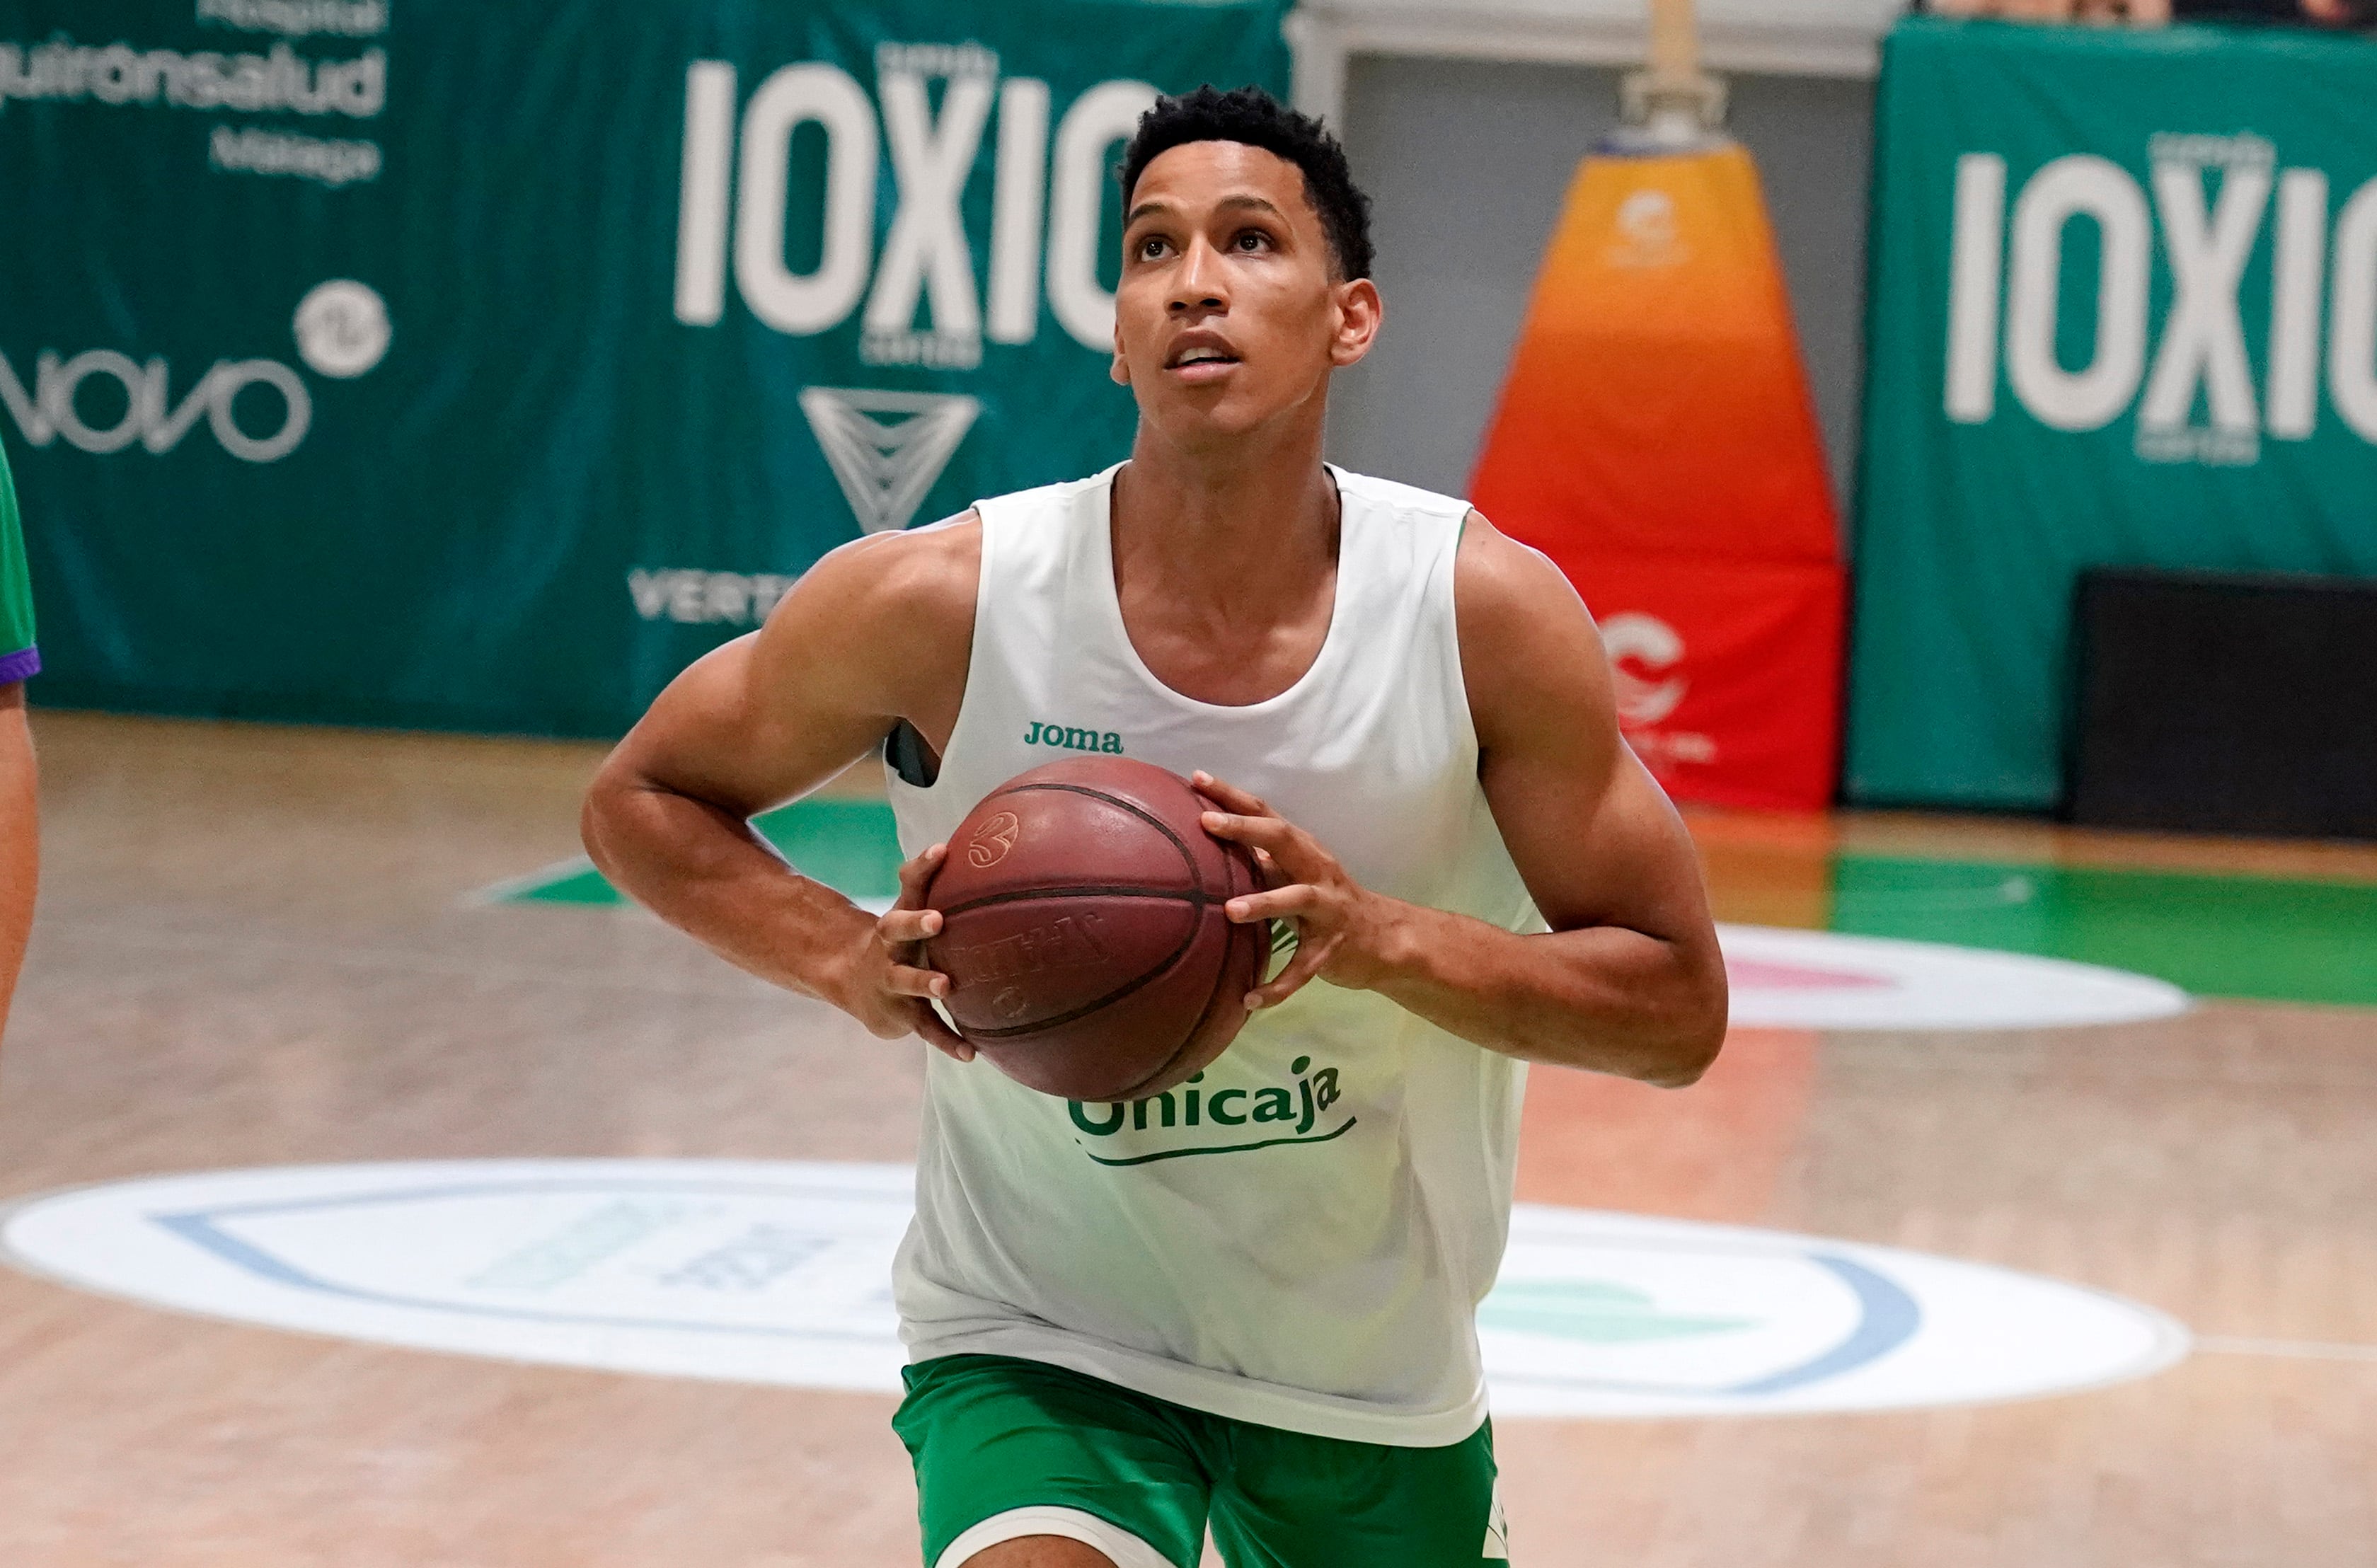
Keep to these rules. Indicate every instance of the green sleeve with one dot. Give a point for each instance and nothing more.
(17, 659)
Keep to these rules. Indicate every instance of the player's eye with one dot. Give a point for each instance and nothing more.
(1252, 240)
(1151, 247)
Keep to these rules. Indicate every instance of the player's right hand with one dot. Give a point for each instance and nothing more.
(891, 993)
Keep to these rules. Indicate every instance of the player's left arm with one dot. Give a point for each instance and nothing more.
(1628, 979)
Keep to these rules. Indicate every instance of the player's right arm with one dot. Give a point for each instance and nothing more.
(879, 631)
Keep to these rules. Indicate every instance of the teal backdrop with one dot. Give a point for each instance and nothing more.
(2123, 311)
(438, 363)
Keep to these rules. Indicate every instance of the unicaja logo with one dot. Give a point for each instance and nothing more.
(1648, 232)
(1648, 217)
(1204, 1119)
(1641, 649)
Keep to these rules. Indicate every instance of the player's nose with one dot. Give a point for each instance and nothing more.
(1201, 283)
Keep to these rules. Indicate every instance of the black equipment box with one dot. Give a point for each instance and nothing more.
(2232, 704)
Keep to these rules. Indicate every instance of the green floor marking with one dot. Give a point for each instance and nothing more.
(2260, 938)
(1598, 1310)
(850, 845)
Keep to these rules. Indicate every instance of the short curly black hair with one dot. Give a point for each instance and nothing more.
(1249, 115)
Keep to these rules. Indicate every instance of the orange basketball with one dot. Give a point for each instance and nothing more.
(1083, 934)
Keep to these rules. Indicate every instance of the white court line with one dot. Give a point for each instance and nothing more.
(511, 887)
(2297, 1350)
(529, 881)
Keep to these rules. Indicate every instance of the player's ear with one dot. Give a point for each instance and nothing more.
(1359, 313)
(1118, 373)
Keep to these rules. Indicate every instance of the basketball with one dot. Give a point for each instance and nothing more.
(1083, 934)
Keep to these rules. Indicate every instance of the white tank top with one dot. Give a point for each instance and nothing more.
(1299, 1237)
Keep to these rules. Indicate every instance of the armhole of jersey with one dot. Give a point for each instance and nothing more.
(1453, 632)
(906, 754)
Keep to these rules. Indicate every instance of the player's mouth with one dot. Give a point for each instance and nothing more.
(1200, 357)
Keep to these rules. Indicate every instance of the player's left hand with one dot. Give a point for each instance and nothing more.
(1340, 925)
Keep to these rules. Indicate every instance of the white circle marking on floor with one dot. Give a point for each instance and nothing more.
(780, 1274)
(1797, 979)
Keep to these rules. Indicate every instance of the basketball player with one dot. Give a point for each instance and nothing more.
(19, 836)
(1250, 1303)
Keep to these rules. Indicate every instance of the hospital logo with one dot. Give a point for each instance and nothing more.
(778, 1273)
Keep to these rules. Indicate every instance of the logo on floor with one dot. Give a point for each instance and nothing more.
(780, 1274)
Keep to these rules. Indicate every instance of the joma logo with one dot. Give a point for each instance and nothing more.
(1044, 733)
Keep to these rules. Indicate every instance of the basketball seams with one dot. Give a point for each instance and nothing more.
(1198, 894)
(1188, 856)
(1214, 998)
(1062, 890)
(1171, 961)
(1229, 948)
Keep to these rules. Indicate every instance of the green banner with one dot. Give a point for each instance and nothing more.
(2123, 311)
(429, 362)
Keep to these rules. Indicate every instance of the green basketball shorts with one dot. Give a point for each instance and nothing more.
(1006, 1448)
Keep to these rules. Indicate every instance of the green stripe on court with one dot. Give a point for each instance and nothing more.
(850, 845)
(2265, 938)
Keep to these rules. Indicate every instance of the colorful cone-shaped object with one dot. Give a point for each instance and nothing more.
(1655, 436)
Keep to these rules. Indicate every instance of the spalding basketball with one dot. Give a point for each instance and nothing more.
(1083, 934)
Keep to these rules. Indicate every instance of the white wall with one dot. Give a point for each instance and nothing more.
(1835, 38)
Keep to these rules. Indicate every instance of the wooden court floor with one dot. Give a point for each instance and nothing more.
(253, 948)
